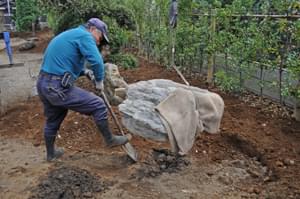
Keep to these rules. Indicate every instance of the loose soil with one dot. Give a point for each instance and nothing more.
(256, 154)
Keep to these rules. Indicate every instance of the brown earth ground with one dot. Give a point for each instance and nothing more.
(256, 154)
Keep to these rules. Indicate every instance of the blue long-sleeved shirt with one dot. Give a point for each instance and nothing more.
(67, 52)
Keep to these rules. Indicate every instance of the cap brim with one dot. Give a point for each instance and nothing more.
(105, 38)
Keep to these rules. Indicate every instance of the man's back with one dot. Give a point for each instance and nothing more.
(64, 52)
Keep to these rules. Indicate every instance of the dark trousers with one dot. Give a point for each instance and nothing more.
(57, 100)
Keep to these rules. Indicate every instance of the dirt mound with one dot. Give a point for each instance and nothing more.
(161, 161)
(69, 182)
(256, 155)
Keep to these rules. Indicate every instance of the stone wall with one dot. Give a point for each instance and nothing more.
(17, 83)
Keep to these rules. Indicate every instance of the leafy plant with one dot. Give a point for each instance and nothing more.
(127, 61)
(26, 14)
(226, 82)
(69, 13)
(247, 43)
(293, 66)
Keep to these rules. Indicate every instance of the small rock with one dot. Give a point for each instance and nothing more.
(99, 189)
(268, 133)
(187, 162)
(33, 39)
(27, 46)
(225, 180)
(288, 162)
(254, 174)
(250, 190)
(267, 179)
(238, 163)
(256, 190)
(279, 163)
(210, 173)
(36, 144)
(152, 174)
(181, 164)
(170, 158)
(264, 170)
(77, 193)
(87, 195)
(163, 167)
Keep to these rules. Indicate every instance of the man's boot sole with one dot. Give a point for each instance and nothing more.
(128, 136)
(59, 153)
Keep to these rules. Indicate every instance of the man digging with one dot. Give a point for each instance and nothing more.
(63, 63)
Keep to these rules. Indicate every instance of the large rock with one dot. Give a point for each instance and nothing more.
(115, 86)
(27, 46)
(139, 115)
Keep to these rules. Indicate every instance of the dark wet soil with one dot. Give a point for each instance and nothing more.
(161, 161)
(69, 183)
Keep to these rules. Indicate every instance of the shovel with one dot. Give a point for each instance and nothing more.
(128, 148)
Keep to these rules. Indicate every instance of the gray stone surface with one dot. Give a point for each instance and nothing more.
(115, 86)
(27, 46)
(17, 83)
(14, 42)
(139, 116)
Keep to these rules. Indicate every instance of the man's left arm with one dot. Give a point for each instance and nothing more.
(89, 50)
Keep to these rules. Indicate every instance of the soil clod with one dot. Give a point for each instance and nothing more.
(162, 161)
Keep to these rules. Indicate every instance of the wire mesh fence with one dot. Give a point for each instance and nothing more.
(262, 81)
(196, 51)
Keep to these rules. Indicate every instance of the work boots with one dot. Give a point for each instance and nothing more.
(52, 153)
(110, 139)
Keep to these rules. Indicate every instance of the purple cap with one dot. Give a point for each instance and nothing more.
(100, 25)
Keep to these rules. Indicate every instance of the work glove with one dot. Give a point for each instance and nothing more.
(89, 73)
(99, 85)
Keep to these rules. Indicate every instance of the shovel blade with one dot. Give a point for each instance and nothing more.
(131, 152)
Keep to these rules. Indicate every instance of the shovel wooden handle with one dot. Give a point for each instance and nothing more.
(112, 113)
(128, 148)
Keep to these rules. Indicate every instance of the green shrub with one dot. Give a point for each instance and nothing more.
(26, 14)
(126, 61)
(227, 82)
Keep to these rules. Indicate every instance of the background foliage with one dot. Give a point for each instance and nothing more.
(26, 14)
(245, 43)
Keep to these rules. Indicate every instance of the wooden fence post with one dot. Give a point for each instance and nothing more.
(297, 105)
(260, 81)
(210, 62)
